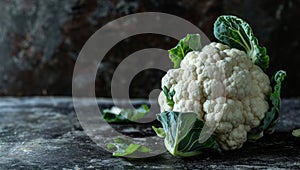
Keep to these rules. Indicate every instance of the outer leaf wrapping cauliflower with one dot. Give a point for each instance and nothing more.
(224, 88)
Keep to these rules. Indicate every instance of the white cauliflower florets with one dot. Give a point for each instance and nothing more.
(224, 88)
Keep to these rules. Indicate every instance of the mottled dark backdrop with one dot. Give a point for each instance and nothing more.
(40, 40)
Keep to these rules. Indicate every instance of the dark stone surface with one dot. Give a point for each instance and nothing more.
(43, 133)
(40, 41)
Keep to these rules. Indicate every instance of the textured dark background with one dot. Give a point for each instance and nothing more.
(40, 40)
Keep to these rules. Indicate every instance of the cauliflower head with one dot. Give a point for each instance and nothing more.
(225, 89)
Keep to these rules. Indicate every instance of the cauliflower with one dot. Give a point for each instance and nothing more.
(224, 88)
(219, 96)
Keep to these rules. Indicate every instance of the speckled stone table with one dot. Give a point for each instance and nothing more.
(44, 133)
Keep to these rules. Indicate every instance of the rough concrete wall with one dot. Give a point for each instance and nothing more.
(40, 40)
